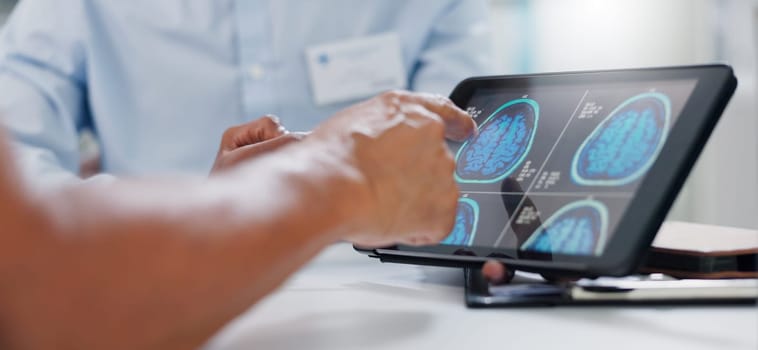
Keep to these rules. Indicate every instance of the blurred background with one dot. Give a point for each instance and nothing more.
(5, 7)
(549, 35)
(560, 35)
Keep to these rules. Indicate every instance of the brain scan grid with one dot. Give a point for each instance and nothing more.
(625, 144)
(552, 170)
(466, 221)
(502, 144)
(577, 228)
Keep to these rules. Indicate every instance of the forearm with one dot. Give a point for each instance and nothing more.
(168, 270)
(166, 265)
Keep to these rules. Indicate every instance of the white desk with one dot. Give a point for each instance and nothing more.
(344, 300)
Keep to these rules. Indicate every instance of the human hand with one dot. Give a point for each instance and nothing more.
(395, 143)
(246, 141)
(496, 272)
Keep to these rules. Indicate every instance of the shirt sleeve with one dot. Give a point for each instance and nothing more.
(458, 46)
(42, 76)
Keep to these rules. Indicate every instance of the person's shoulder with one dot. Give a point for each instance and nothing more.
(440, 8)
(47, 13)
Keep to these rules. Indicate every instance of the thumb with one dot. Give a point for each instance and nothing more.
(249, 151)
(262, 129)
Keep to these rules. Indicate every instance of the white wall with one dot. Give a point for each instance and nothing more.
(724, 187)
(551, 35)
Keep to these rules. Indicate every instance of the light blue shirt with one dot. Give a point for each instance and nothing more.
(160, 80)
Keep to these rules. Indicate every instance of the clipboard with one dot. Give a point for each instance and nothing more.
(531, 291)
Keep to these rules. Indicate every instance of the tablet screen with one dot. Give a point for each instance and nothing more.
(554, 168)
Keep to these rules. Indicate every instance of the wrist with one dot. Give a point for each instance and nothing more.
(325, 195)
(340, 189)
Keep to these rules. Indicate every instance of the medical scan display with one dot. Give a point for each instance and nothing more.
(553, 168)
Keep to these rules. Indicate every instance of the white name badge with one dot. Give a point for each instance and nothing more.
(355, 68)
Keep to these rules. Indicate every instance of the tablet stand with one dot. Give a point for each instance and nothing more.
(520, 292)
(534, 291)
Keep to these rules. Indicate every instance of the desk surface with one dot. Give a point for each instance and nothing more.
(344, 300)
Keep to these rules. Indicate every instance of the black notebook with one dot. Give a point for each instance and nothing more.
(688, 250)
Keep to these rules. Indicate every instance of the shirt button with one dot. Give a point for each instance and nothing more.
(256, 71)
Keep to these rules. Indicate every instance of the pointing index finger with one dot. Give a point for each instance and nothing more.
(458, 124)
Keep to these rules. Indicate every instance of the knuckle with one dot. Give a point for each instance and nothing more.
(391, 95)
(437, 99)
(425, 240)
(393, 99)
(270, 120)
(447, 102)
(414, 112)
(431, 117)
(229, 133)
(441, 100)
(431, 237)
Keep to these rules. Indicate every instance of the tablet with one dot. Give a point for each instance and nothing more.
(573, 173)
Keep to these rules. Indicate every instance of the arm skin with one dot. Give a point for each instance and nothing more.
(170, 262)
(150, 265)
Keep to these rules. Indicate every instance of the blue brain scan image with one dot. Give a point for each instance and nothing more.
(624, 146)
(503, 142)
(579, 228)
(466, 220)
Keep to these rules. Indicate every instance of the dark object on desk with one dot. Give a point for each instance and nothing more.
(629, 291)
(686, 250)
